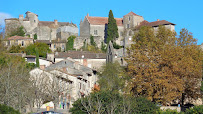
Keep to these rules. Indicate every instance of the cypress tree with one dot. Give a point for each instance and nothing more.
(37, 57)
(112, 30)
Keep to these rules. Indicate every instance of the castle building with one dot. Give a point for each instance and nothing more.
(44, 30)
(131, 22)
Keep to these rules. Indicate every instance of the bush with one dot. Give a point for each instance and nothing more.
(7, 110)
(16, 49)
(113, 102)
(42, 47)
(116, 46)
(70, 43)
(168, 111)
(195, 110)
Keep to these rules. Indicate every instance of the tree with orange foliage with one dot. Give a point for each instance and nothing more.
(163, 67)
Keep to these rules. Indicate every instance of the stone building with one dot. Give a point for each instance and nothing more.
(45, 30)
(97, 27)
(89, 59)
(18, 40)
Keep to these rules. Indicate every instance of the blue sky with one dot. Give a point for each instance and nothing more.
(184, 13)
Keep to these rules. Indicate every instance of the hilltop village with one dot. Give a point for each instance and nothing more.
(66, 65)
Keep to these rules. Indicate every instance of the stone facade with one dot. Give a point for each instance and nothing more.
(45, 30)
(18, 40)
(97, 27)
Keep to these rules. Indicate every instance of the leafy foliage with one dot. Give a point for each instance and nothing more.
(103, 47)
(92, 41)
(16, 49)
(107, 102)
(30, 65)
(112, 77)
(70, 43)
(112, 30)
(17, 32)
(7, 110)
(35, 36)
(37, 57)
(42, 47)
(195, 110)
(162, 66)
(116, 46)
(168, 111)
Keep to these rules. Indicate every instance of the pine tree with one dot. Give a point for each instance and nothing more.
(112, 30)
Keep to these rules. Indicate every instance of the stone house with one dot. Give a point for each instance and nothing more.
(44, 30)
(77, 79)
(18, 40)
(89, 59)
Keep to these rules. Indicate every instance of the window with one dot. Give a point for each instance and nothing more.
(22, 43)
(95, 32)
(129, 18)
(128, 26)
(34, 21)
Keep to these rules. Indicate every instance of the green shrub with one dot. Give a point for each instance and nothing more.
(70, 43)
(195, 110)
(116, 46)
(7, 110)
(168, 111)
(35, 36)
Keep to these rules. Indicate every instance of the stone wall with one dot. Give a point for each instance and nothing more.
(11, 25)
(85, 28)
(43, 33)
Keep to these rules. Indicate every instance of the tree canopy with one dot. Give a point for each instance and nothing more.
(112, 29)
(163, 67)
(42, 47)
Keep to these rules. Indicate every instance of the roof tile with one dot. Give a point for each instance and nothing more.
(103, 20)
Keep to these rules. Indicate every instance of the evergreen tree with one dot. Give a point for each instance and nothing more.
(112, 30)
(37, 57)
(70, 43)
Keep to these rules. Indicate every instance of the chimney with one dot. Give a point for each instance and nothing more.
(157, 19)
(55, 22)
(87, 14)
(21, 17)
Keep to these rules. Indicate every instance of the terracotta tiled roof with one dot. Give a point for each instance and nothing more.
(132, 13)
(79, 54)
(154, 24)
(19, 38)
(161, 22)
(103, 20)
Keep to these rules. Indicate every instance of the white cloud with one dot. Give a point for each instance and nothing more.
(4, 16)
